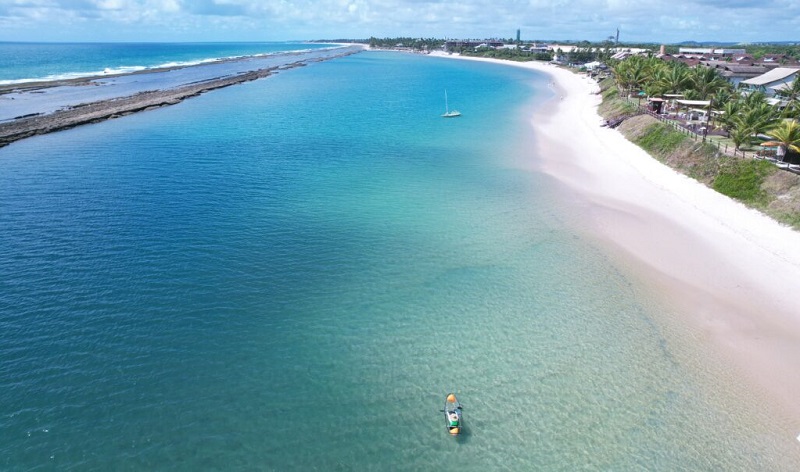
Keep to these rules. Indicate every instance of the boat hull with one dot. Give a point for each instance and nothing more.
(452, 415)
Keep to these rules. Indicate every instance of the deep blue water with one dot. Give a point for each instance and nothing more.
(29, 61)
(291, 274)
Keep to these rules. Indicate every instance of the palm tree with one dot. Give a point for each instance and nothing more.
(791, 111)
(740, 136)
(730, 111)
(724, 96)
(634, 73)
(752, 121)
(675, 79)
(630, 75)
(791, 92)
(754, 99)
(787, 133)
(707, 82)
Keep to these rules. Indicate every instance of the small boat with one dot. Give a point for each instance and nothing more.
(452, 414)
(447, 112)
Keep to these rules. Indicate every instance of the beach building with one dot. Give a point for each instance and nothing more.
(770, 82)
(693, 56)
(777, 60)
(689, 61)
(538, 48)
(736, 72)
(460, 45)
(710, 53)
(745, 59)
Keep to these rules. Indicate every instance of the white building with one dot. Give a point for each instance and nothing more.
(711, 51)
(771, 81)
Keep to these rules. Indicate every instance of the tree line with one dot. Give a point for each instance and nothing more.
(743, 114)
(416, 44)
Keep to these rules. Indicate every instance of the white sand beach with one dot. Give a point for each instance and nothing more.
(728, 272)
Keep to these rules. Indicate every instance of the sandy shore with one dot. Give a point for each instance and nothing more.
(728, 272)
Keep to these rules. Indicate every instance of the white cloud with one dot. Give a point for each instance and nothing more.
(110, 4)
(174, 20)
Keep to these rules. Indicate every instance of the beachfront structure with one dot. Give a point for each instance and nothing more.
(736, 72)
(460, 45)
(693, 56)
(777, 60)
(538, 48)
(593, 65)
(769, 82)
(710, 53)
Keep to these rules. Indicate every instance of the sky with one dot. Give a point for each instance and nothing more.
(655, 21)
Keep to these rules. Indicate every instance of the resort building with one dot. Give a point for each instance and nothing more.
(459, 45)
(710, 53)
(736, 72)
(771, 81)
(777, 60)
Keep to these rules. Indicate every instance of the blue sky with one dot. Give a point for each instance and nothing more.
(266, 20)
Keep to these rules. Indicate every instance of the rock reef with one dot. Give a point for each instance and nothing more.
(85, 113)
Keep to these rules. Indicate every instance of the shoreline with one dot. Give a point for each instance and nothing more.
(726, 272)
(78, 114)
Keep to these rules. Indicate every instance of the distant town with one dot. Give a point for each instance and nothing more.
(757, 57)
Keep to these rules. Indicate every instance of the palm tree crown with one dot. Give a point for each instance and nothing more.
(787, 132)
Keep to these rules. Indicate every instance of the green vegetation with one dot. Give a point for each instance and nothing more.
(612, 106)
(743, 180)
(660, 139)
(744, 116)
(509, 54)
(416, 44)
(760, 50)
(756, 183)
(656, 77)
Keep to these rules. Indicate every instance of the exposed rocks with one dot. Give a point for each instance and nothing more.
(36, 124)
(25, 127)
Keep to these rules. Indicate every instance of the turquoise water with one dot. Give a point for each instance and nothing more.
(20, 62)
(292, 273)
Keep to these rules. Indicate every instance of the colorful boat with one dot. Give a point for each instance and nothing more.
(452, 414)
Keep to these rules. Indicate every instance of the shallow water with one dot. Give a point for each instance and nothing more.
(292, 273)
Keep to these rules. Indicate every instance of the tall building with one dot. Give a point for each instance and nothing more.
(517, 35)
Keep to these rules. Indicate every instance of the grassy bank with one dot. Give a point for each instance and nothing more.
(757, 184)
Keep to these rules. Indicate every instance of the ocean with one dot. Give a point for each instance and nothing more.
(26, 62)
(292, 273)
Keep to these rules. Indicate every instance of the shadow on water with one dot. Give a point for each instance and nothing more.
(464, 437)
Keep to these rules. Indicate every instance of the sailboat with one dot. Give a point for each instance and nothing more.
(447, 112)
